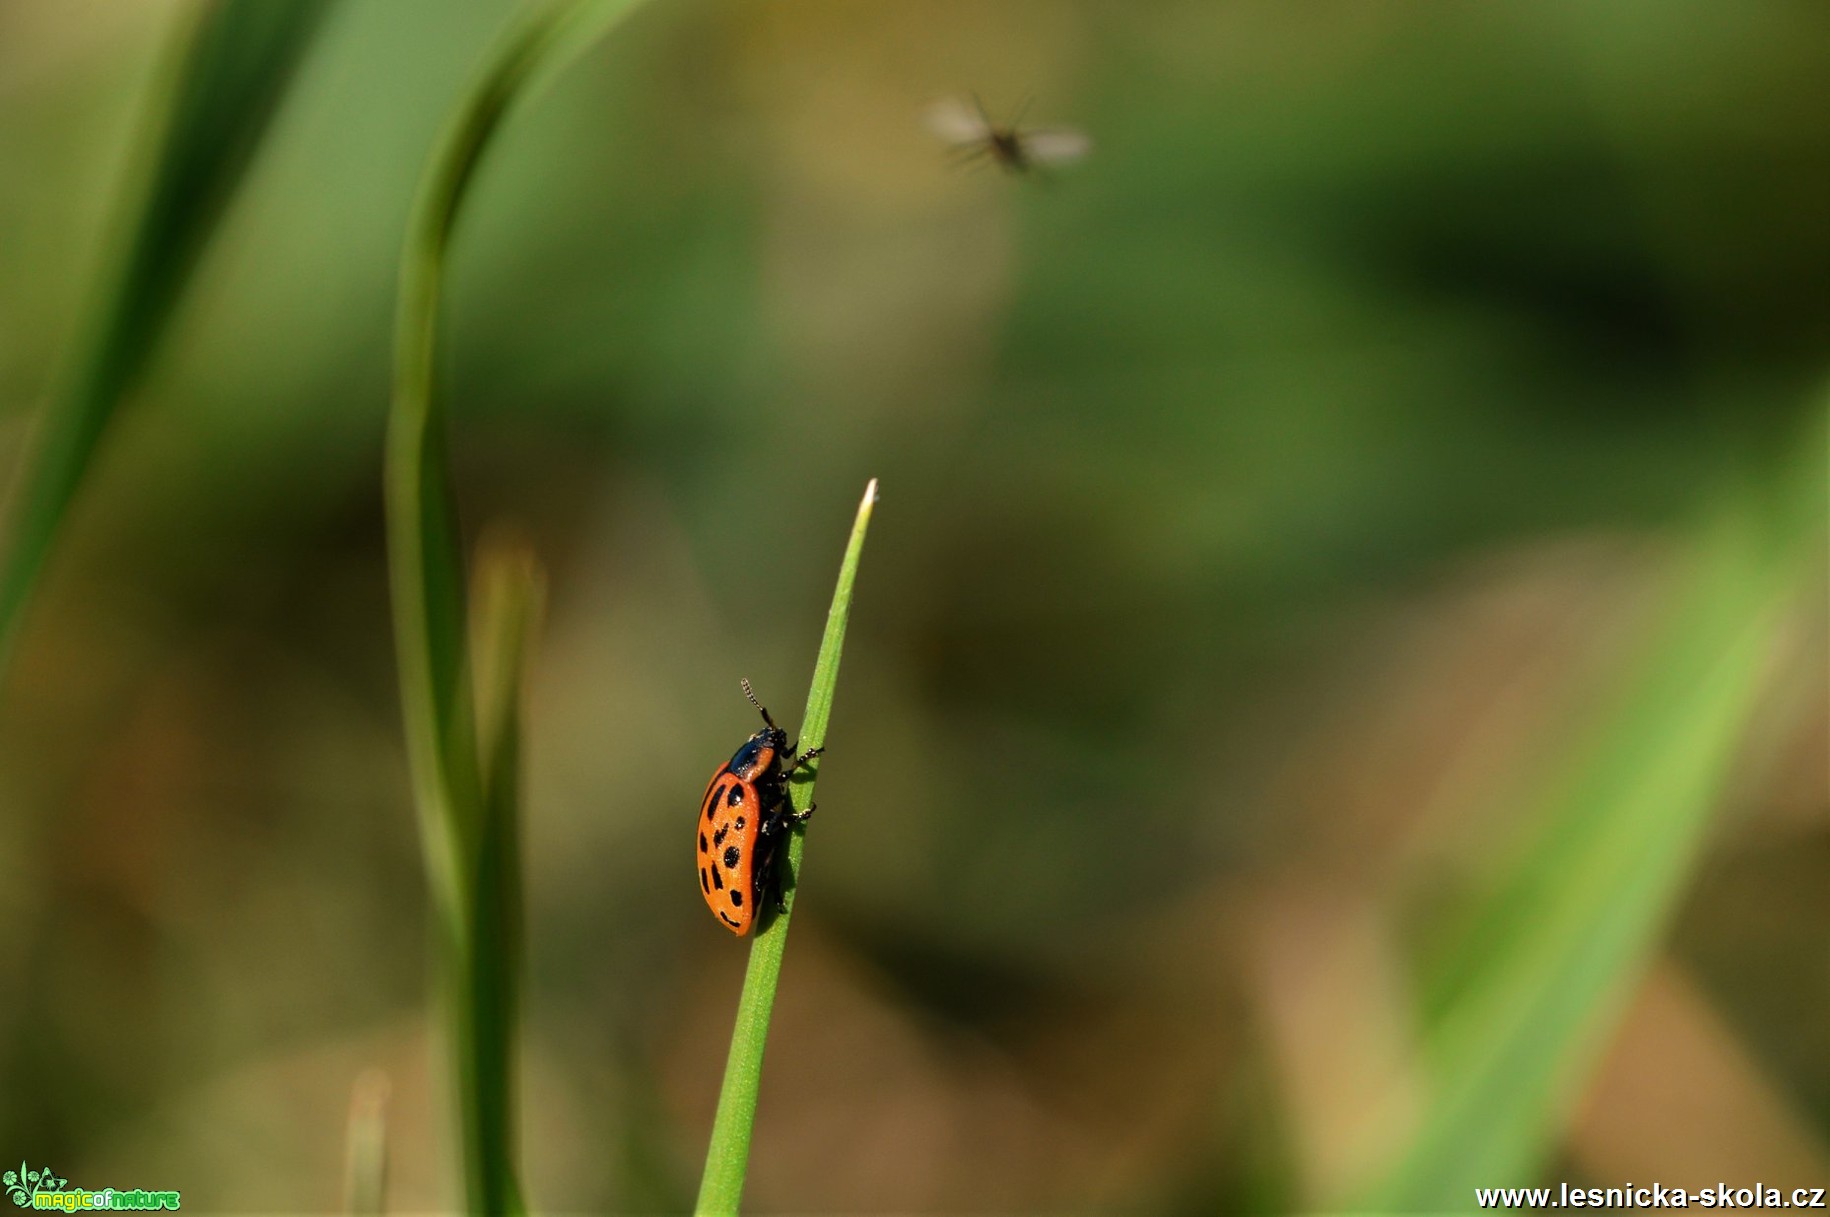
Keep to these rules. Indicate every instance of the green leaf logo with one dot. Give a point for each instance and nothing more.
(21, 1185)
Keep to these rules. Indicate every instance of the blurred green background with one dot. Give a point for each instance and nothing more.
(1273, 506)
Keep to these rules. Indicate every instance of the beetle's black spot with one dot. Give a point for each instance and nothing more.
(722, 917)
(705, 882)
(736, 795)
(717, 879)
(718, 837)
(739, 825)
(711, 800)
(736, 898)
(731, 856)
(702, 845)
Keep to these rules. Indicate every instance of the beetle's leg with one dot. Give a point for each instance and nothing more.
(786, 816)
(769, 872)
(762, 874)
(803, 758)
(769, 852)
(775, 820)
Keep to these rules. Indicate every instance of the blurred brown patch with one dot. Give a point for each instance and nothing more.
(1679, 1100)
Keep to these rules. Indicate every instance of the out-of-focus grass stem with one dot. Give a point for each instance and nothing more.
(214, 108)
(1521, 1011)
(465, 763)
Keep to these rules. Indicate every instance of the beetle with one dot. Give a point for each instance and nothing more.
(744, 819)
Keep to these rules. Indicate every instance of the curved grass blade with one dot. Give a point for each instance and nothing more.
(425, 564)
(728, 1157)
(464, 784)
(224, 87)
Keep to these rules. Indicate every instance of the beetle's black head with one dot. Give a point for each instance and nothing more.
(760, 753)
(764, 749)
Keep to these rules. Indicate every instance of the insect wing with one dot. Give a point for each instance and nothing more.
(955, 121)
(1055, 145)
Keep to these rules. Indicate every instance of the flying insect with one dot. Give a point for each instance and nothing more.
(974, 136)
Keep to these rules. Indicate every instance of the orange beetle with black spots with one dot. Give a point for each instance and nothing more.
(743, 820)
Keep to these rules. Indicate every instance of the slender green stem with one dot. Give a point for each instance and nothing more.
(728, 1158)
(465, 784)
(425, 563)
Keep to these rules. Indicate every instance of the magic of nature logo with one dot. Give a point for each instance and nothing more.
(44, 1189)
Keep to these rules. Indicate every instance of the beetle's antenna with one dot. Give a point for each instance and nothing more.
(745, 682)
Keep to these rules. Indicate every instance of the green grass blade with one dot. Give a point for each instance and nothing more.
(426, 566)
(727, 1159)
(509, 590)
(1525, 1007)
(218, 98)
(464, 787)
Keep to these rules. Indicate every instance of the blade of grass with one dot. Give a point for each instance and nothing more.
(1525, 1007)
(426, 566)
(509, 591)
(727, 1159)
(221, 91)
(463, 785)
